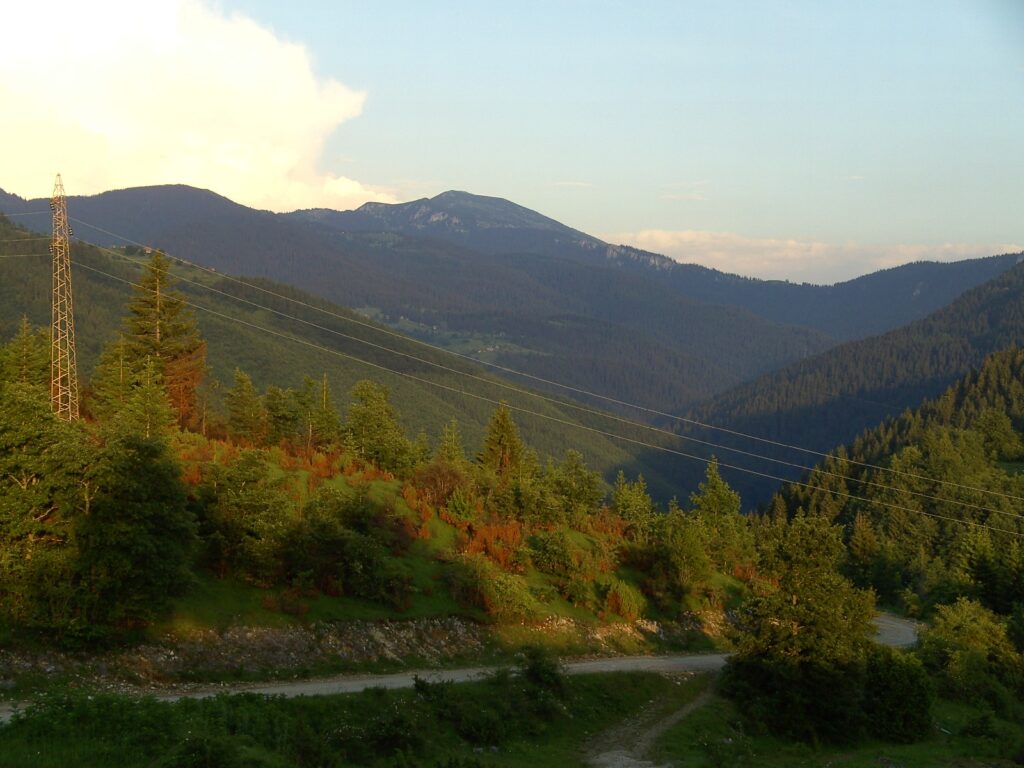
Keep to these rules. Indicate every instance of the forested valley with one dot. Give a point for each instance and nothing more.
(110, 525)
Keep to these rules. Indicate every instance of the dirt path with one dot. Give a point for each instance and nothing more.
(627, 745)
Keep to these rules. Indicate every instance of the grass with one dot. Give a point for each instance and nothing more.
(715, 735)
(506, 721)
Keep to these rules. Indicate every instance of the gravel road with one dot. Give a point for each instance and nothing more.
(892, 630)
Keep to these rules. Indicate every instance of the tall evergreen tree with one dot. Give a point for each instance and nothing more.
(451, 450)
(115, 376)
(135, 541)
(26, 358)
(160, 326)
(321, 424)
(147, 410)
(374, 429)
(246, 417)
(503, 451)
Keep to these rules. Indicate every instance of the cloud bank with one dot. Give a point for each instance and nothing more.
(796, 260)
(118, 94)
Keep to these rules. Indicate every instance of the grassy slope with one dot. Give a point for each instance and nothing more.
(100, 302)
(274, 732)
(85, 731)
(714, 736)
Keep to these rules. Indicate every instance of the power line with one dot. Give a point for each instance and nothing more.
(890, 470)
(564, 422)
(583, 408)
(26, 213)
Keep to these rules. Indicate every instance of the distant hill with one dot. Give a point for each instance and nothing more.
(850, 310)
(492, 279)
(488, 224)
(828, 400)
(638, 339)
(853, 309)
(99, 306)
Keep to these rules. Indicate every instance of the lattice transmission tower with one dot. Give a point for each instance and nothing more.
(63, 372)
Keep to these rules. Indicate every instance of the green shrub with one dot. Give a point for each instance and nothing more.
(624, 599)
(478, 581)
(898, 695)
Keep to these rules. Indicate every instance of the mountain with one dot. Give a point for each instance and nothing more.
(494, 280)
(638, 339)
(487, 224)
(829, 399)
(243, 336)
(849, 310)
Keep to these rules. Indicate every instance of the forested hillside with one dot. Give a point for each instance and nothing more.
(234, 333)
(828, 400)
(278, 489)
(273, 495)
(510, 307)
(917, 478)
(850, 310)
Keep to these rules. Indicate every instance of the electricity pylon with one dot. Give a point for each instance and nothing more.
(63, 372)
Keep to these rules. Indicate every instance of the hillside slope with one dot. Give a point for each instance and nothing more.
(828, 400)
(272, 359)
(511, 305)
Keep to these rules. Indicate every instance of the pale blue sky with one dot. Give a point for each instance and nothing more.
(879, 122)
(808, 140)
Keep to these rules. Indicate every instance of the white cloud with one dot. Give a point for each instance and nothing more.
(117, 94)
(792, 259)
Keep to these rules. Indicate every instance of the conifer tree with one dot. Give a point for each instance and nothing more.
(633, 503)
(147, 409)
(26, 358)
(114, 378)
(717, 507)
(135, 542)
(246, 417)
(160, 326)
(321, 424)
(374, 429)
(503, 451)
(450, 450)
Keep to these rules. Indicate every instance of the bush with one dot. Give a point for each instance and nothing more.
(898, 696)
(807, 701)
(624, 599)
(476, 580)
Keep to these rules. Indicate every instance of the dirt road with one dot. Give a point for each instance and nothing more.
(892, 630)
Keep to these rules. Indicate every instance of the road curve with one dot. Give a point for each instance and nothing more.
(891, 630)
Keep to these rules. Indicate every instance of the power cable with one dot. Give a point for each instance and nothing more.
(558, 420)
(577, 390)
(577, 406)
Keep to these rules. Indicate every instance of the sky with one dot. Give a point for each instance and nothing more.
(811, 141)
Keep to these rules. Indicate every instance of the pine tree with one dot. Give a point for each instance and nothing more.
(321, 425)
(282, 413)
(115, 376)
(374, 429)
(147, 410)
(160, 326)
(633, 503)
(136, 540)
(503, 451)
(451, 450)
(246, 417)
(717, 507)
(26, 358)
